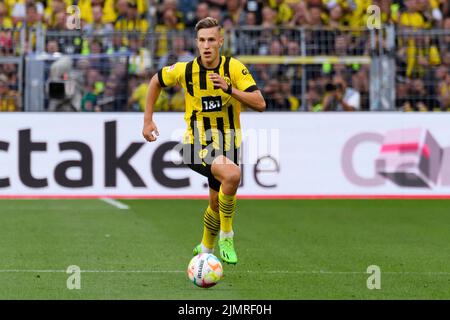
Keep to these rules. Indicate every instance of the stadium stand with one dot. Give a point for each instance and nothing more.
(121, 43)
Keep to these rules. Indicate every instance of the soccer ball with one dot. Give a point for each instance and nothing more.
(205, 270)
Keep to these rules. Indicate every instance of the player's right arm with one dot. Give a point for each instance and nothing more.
(166, 77)
(150, 131)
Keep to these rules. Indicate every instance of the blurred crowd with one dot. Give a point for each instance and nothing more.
(155, 33)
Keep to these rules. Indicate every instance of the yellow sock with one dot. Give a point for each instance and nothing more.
(227, 206)
(211, 227)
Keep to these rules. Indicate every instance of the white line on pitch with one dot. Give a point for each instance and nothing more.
(89, 271)
(115, 203)
(432, 273)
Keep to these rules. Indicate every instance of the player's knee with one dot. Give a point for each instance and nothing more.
(233, 177)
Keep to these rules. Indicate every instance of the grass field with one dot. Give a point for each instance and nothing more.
(288, 249)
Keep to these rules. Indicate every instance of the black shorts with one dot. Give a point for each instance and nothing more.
(200, 160)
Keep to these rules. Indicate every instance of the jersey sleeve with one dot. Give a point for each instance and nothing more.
(241, 77)
(171, 75)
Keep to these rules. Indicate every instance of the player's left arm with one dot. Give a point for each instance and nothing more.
(254, 99)
(244, 90)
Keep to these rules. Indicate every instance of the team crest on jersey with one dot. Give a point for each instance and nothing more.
(227, 80)
(244, 72)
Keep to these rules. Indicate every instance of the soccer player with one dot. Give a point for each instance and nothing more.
(214, 86)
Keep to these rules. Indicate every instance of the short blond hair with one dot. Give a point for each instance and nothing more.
(206, 23)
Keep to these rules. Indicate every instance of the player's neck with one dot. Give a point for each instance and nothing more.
(211, 66)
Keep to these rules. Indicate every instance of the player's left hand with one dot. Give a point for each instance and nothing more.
(218, 81)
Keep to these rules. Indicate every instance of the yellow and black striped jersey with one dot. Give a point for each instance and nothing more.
(210, 113)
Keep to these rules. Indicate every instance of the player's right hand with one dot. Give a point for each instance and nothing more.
(150, 131)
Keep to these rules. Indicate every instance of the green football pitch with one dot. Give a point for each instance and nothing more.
(288, 249)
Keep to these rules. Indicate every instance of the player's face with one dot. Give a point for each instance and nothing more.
(209, 42)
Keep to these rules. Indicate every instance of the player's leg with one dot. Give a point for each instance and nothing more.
(211, 224)
(229, 175)
(211, 218)
(214, 199)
